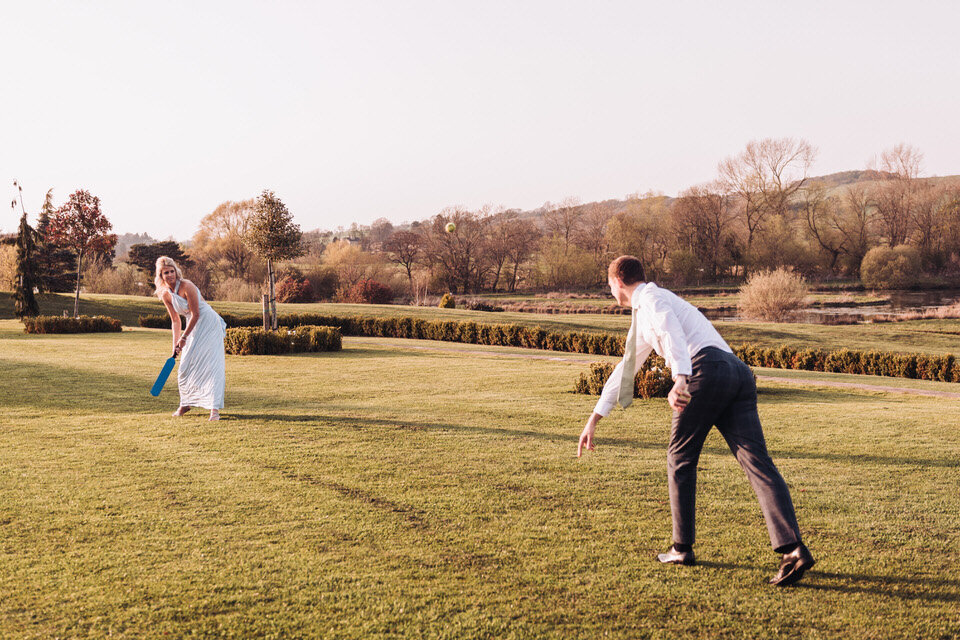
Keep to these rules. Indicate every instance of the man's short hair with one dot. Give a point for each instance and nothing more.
(628, 269)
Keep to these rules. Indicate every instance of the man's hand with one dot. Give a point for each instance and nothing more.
(586, 437)
(679, 396)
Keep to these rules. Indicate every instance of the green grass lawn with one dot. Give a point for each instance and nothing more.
(416, 489)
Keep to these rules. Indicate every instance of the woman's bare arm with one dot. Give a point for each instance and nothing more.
(192, 294)
(175, 321)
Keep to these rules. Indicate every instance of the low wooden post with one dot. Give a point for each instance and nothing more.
(266, 311)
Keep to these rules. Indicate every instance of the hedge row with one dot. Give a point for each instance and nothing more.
(504, 335)
(902, 365)
(80, 324)
(654, 380)
(244, 341)
(918, 366)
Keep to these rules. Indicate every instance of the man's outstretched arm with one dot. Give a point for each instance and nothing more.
(586, 437)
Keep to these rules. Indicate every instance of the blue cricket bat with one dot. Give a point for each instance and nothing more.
(164, 374)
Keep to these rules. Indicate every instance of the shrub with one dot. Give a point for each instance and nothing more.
(125, 279)
(480, 305)
(324, 282)
(81, 324)
(367, 291)
(772, 295)
(294, 288)
(8, 267)
(246, 341)
(684, 267)
(653, 380)
(447, 302)
(237, 290)
(886, 268)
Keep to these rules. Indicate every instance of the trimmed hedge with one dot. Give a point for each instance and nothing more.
(80, 324)
(945, 368)
(917, 366)
(244, 341)
(502, 335)
(654, 380)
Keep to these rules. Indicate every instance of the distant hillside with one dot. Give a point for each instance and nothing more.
(842, 178)
(127, 240)
(835, 182)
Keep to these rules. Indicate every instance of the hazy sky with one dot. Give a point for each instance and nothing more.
(356, 110)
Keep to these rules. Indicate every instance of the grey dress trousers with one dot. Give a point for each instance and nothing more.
(723, 393)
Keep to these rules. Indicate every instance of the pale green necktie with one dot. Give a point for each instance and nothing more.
(629, 363)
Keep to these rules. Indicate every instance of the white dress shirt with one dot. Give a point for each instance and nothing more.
(672, 327)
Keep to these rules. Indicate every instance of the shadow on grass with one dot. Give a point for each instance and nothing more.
(48, 387)
(900, 587)
(813, 394)
(57, 388)
(355, 422)
(367, 352)
(903, 587)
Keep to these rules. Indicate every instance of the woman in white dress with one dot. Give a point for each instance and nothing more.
(201, 376)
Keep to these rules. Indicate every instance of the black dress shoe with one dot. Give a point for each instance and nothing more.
(793, 565)
(672, 556)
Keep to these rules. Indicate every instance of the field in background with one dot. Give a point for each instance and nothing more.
(410, 488)
(717, 300)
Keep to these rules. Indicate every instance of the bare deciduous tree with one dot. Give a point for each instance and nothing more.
(380, 231)
(642, 230)
(703, 217)
(564, 220)
(765, 176)
(523, 238)
(406, 249)
(855, 223)
(821, 212)
(592, 234)
(895, 195)
(460, 255)
(220, 240)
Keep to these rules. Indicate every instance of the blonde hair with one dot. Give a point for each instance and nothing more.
(165, 261)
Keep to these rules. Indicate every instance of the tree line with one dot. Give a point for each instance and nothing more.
(761, 211)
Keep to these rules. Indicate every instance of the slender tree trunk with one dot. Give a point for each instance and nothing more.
(76, 297)
(496, 277)
(273, 296)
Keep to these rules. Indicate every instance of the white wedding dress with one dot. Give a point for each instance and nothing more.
(202, 372)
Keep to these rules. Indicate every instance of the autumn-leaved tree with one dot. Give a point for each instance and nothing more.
(80, 225)
(273, 235)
